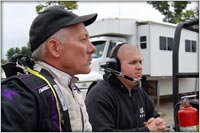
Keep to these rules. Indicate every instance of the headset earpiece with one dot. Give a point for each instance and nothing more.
(114, 62)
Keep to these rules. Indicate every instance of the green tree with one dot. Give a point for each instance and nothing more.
(174, 11)
(70, 5)
(17, 50)
(3, 61)
(25, 51)
(10, 53)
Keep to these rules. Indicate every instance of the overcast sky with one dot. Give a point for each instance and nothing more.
(18, 16)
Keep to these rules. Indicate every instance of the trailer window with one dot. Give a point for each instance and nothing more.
(170, 43)
(162, 43)
(166, 43)
(194, 49)
(99, 45)
(143, 42)
(190, 46)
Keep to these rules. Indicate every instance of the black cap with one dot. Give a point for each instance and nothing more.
(51, 20)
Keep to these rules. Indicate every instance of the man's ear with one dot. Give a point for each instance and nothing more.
(52, 47)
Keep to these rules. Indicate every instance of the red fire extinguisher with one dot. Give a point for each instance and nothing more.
(187, 116)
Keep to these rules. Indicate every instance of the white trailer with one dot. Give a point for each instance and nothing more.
(155, 42)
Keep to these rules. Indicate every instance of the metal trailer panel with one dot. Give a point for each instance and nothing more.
(115, 27)
(186, 85)
(188, 61)
(161, 60)
(143, 30)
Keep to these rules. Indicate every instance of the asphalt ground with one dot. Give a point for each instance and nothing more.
(166, 111)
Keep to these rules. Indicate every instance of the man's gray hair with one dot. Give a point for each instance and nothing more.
(39, 53)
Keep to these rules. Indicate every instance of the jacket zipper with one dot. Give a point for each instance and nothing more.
(129, 93)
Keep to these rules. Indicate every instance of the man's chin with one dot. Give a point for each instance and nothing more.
(86, 71)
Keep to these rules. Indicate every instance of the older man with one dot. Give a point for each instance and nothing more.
(61, 49)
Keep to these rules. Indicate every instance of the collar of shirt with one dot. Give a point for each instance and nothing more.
(62, 77)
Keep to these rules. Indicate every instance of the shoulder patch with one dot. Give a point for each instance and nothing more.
(43, 89)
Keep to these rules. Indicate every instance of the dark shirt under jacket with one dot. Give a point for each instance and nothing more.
(111, 107)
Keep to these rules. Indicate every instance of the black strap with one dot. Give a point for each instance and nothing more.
(114, 54)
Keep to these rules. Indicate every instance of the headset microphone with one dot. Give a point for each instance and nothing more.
(111, 71)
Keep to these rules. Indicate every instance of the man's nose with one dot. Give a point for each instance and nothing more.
(92, 48)
(139, 65)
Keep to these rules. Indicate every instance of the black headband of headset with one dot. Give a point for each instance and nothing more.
(114, 54)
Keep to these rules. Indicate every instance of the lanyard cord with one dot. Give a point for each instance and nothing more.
(53, 91)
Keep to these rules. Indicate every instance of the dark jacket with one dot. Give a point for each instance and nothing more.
(22, 111)
(111, 107)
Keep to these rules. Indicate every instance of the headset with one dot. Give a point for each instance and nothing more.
(114, 62)
(113, 65)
